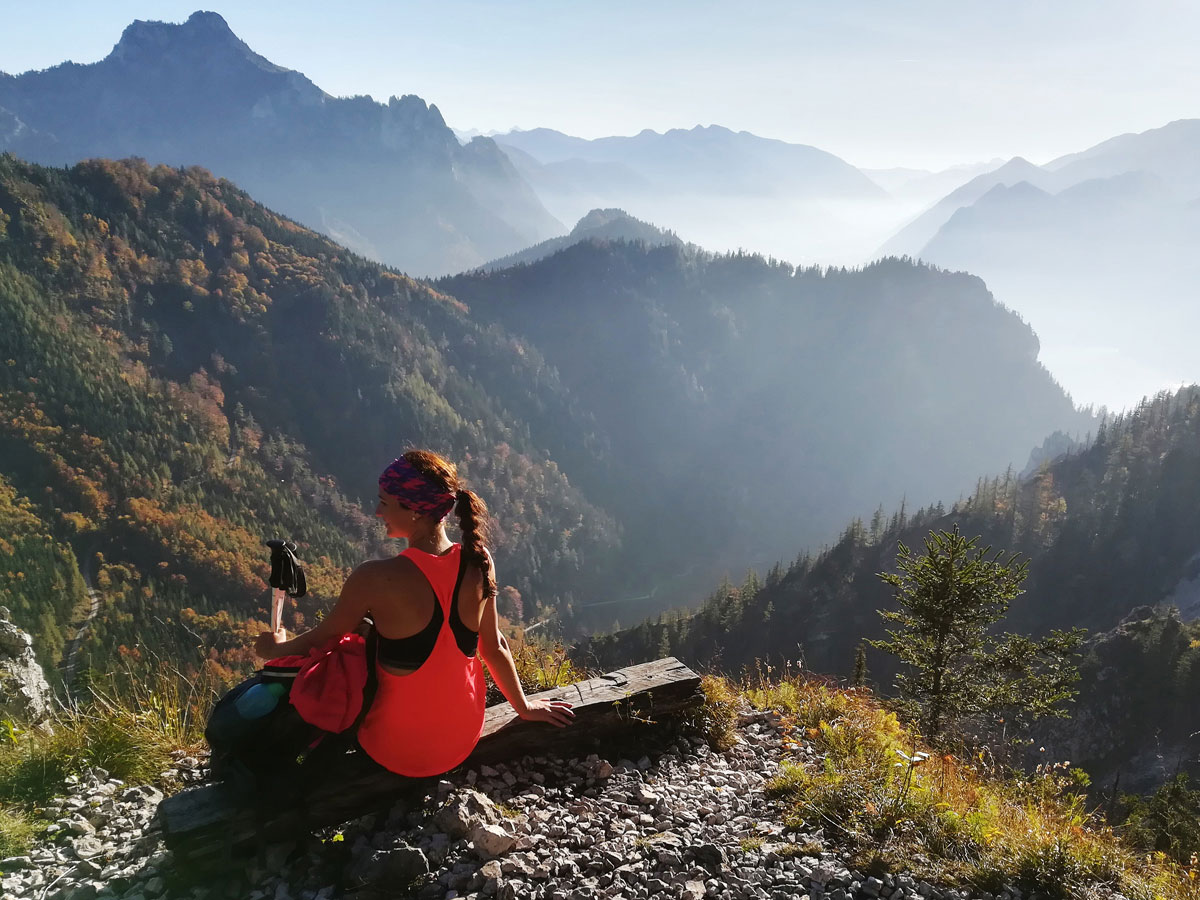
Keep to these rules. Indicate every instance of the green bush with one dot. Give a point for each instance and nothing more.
(1168, 821)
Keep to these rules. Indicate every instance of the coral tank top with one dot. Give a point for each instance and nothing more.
(428, 722)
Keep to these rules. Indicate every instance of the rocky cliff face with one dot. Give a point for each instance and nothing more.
(390, 180)
(1134, 723)
(25, 695)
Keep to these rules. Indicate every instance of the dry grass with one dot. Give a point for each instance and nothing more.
(128, 725)
(718, 715)
(17, 832)
(943, 817)
(544, 666)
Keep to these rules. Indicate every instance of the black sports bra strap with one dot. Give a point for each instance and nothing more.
(466, 639)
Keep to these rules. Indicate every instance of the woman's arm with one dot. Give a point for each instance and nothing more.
(493, 647)
(351, 606)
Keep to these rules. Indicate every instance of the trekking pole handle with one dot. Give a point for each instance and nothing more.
(277, 612)
(286, 580)
(287, 574)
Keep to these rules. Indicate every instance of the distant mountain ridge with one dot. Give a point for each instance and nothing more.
(924, 185)
(1096, 249)
(597, 225)
(728, 190)
(1169, 152)
(913, 237)
(389, 180)
(732, 161)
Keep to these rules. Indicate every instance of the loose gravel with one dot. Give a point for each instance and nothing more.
(687, 823)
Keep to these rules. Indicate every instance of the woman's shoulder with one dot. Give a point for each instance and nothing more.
(474, 576)
(384, 571)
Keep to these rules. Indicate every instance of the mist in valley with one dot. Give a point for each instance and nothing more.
(1093, 249)
(858, 275)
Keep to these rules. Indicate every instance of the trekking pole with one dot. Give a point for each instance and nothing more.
(287, 580)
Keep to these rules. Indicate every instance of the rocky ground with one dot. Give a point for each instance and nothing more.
(689, 823)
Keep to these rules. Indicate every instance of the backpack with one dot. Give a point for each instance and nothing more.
(258, 751)
(319, 701)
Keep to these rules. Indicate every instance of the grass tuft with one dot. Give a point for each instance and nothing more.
(17, 832)
(718, 715)
(544, 666)
(874, 786)
(128, 725)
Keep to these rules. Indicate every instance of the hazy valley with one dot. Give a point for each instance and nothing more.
(708, 382)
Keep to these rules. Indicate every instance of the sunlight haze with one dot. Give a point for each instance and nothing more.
(906, 93)
(926, 84)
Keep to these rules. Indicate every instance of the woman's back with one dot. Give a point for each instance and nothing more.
(408, 615)
(436, 619)
(427, 721)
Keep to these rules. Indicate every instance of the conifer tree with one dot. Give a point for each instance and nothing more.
(860, 667)
(949, 597)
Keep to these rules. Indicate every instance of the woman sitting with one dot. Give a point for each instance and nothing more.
(433, 606)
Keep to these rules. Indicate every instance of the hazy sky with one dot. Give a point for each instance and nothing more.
(925, 83)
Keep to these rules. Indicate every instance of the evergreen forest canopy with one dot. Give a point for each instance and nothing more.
(185, 373)
(754, 407)
(1111, 533)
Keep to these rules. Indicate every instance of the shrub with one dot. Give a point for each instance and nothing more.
(718, 717)
(944, 817)
(1168, 821)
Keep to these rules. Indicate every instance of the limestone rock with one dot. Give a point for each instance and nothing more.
(87, 846)
(491, 840)
(396, 867)
(464, 812)
(25, 695)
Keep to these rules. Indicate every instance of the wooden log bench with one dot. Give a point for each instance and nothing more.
(209, 823)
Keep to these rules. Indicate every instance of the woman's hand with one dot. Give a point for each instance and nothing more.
(266, 643)
(556, 712)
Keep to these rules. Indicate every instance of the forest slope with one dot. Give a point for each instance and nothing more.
(1106, 528)
(184, 373)
(754, 407)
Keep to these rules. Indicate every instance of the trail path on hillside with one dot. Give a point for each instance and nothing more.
(71, 657)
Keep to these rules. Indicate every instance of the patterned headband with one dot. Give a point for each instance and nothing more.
(402, 480)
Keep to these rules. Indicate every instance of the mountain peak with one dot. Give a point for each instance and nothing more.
(206, 20)
(415, 113)
(1017, 164)
(1017, 192)
(204, 33)
(599, 218)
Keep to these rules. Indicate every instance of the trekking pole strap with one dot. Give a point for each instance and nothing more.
(287, 574)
